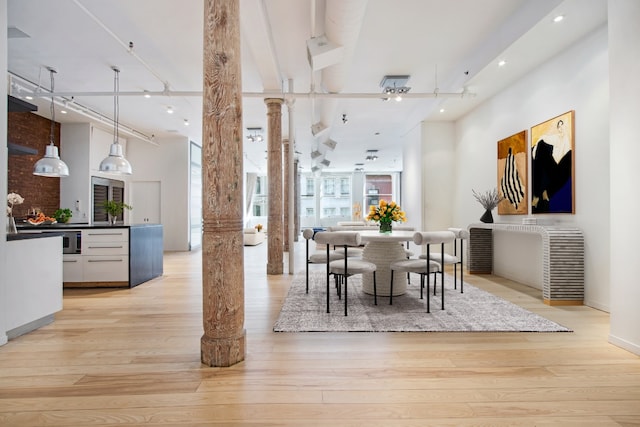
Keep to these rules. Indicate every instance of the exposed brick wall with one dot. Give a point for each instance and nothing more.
(31, 130)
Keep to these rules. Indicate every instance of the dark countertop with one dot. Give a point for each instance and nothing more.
(26, 236)
(78, 226)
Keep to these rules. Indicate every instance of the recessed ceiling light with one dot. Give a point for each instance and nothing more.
(442, 110)
(186, 122)
(502, 63)
(147, 94)
(558, 18)
(170, 110)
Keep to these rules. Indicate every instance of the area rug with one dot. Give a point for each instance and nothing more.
(473, 310)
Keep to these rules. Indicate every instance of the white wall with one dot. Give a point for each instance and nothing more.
(439, 175)
(4, 278)
(576, 80)
(624, 55)
(167, 163)
(411, 180)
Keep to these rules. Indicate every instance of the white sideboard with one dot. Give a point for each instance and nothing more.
(562, 258)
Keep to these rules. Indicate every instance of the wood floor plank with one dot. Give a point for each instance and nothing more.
(118, 357)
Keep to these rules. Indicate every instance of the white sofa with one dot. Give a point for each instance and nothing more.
(253, 237)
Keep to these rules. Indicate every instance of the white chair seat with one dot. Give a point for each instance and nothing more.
(418, 266)
(448, 259)
(354, 266)
(321, 257)
(408, 253)
(351, 252)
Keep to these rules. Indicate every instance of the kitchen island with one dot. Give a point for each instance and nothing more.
(109, 255)
(34, 277)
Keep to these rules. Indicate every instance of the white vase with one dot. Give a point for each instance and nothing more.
(11, 225)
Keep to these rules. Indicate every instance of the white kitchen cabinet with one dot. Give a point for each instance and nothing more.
(34, 291)
(105, 255)
(105, 268)
(72, 268)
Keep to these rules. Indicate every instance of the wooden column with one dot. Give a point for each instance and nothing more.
(285, 204)
(223, 342)
(274, 160)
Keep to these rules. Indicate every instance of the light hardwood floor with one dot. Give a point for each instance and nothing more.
(132, 357)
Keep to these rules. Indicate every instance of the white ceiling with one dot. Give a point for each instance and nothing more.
(448, 45)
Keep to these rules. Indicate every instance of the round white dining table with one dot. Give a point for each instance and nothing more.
(382, 249)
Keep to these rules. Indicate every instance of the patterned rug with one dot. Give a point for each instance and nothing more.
(474, 310)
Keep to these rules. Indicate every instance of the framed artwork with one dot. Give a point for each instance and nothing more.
(552, 165)
(512, 175)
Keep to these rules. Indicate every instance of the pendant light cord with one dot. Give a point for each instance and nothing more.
(52, 108)
(116, 104)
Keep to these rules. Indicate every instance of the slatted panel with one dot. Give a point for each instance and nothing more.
(480, 251)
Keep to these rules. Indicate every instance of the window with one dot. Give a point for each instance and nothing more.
(345, 186)
(379, 187)
(260, 199)
(328, 211)
(309, 212)
(328, 185)
(310, 187)
(345, 211)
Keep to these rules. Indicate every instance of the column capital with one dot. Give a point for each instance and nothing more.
(277, 101)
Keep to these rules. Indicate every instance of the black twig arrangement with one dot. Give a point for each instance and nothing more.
(489, 199)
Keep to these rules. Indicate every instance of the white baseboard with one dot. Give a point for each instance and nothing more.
(624, 344)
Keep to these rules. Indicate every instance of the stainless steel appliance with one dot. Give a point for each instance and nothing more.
(72, 242)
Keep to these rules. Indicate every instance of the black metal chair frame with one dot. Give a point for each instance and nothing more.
(340, 278)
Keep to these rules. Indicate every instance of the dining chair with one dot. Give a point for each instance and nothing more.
(424, 266)
(455, 259)
(344, 268)
(317, 257)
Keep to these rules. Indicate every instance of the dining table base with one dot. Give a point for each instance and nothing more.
(382, 254)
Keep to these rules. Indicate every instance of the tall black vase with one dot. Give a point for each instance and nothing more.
(487, 217)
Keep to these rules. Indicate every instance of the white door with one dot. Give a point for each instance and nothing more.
(145, 200)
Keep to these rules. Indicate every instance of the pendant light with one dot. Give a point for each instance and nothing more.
(51, 165)
(115, 162)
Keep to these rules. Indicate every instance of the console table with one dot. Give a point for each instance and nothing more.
(562, 258)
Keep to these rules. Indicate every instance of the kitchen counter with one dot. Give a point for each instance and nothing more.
(26, 236)
(76, 226)
(130, 255)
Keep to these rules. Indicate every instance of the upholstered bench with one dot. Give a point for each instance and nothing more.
(253, 237)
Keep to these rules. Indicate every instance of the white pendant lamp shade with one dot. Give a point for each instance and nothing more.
(115, 162)
(51, 165)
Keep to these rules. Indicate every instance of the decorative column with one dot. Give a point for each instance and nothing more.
(274, 175)
(286, 146)
(223, 342)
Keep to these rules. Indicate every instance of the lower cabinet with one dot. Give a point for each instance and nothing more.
(116, 257)
(72, 268)
(105, 268)
(104, 260)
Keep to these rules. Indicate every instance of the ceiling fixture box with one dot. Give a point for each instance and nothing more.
(318, 128)
(331, 144)
(322, 52)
